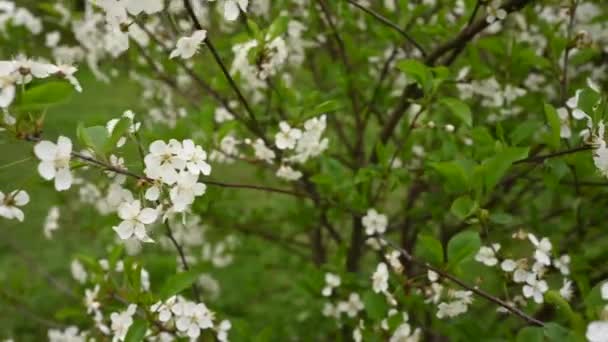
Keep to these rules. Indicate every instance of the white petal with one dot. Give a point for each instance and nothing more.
(45, 150)
(63, 179)
(124, 229)
(7, 95)
(147, 216)
(18, 214)
(21, 198)
(46, 169)
(231, 10)
(64, 146)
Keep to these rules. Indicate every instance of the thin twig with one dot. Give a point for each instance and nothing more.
(182, 256)
(466, 286)
(390, 24)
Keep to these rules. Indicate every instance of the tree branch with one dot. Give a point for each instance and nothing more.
(457, 281)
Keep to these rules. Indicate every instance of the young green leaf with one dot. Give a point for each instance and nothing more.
(179, 282)
(137, 331)
(462, 246)
(459, 108)
(429, 249)
(554, 123)
(45, 95)
(463, 207)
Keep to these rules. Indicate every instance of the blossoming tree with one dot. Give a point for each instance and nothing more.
(305, 170)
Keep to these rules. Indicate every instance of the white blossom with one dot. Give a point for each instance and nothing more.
(78, 271)
(380, 278)
(543, 249)
(121, 322)
(51, 222)
(10, 203)
(135, 218)
(184, 191)
(186, 47)
(331, 281)
(286, 172)
(487, 255)
(55, 161)
(597, 331)
(374, 222)
(287, 137)
(535, 288)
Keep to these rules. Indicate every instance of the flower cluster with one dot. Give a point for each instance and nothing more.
(188, 317)
(530, 272)
(22, 70)
(305, 144)
(177, 165)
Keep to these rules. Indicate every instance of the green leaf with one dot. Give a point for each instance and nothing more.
(454, 173)
(459, 108)
(429, 249)
(493, 169)
(530, 334)
(462, 246)
(179, 282)
(563, 308)
(322, 108)
(137, 331)
(45, 95)
(375, 305)
(463, 207)
(554, 123)
(418, 72)
(278, 27)
(95, 137)
(556, 333)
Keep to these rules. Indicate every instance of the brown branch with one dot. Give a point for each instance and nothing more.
(182, 256)
(466, 286)
(253, 124)
(542, 158)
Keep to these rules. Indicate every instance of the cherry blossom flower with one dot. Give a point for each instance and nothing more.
(70, 334)
(134, 221)
(186, 47)
(566, 290)
(222, 330)
(195, 157)
(232, 8)
(352, 306)
(331, 281)
(563, 264)
(163, 161)
(597, 331)
(286, 172)
(380, 278)
(78, 271)
(543, 249)
(535, 288)
(121, 322)
(51, 222)
(262, 152)
(9, 204)
(487, 255)
(495, 12)
(374, 222)
(185, 190)
(135, 7)
(192, 318)
(55, 161)
(287, 137)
